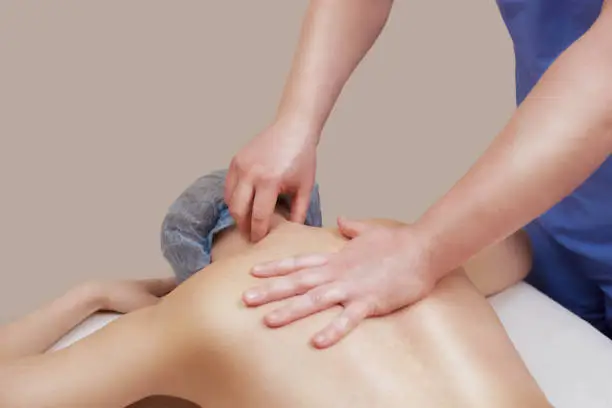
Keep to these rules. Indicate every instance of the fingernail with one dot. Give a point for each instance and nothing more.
(274, 318)
(320, 340)
(258, 268)
(252, 295)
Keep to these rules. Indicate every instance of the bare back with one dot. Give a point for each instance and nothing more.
(449, 350)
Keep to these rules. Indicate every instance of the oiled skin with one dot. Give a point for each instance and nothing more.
(201, 344)
(449, 350)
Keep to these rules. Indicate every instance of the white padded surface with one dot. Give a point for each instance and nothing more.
(571, 361)
(87, 327)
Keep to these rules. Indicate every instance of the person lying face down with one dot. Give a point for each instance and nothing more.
(200, 343)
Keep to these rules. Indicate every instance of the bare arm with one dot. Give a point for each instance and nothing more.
(38, 331)
(336, 35)
(119, 364)
(493, 269)
(560, 134)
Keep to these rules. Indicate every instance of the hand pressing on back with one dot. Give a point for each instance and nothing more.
(379, 271)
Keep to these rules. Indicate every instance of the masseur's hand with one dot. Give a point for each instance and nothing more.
(281, 159)
(380, 270)
(126, 296)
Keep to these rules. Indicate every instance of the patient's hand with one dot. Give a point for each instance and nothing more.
(129, 295)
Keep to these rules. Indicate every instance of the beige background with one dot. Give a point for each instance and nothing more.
(109, 109)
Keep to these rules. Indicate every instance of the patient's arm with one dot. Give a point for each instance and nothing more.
(127, 360)
(39, 330)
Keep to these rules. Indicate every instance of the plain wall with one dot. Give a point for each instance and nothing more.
(109, 109)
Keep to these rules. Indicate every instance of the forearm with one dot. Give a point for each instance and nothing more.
(335, 36)
(121, 363)
(560, 135)
(36, 332)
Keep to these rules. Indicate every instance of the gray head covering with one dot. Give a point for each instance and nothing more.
(198, 214)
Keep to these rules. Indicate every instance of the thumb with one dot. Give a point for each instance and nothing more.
(351, 228)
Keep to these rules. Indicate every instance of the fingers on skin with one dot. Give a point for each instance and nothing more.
(288, 265)
(351, 228)
(314, 301)
(299, 206)
(353, 314)
(286, 286)
(263, 207)
(240, 204)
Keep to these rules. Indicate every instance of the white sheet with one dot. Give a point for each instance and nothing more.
(89, 326)
(570, 360)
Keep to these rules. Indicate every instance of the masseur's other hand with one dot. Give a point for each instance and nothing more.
(126, 296)
(281, 159)
(380, 270)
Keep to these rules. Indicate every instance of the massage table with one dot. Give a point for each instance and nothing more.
(570, 360)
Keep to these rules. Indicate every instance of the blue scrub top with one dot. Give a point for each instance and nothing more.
(581, 224)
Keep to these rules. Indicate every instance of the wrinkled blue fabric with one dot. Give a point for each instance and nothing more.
(198, 215)
(572, 242)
